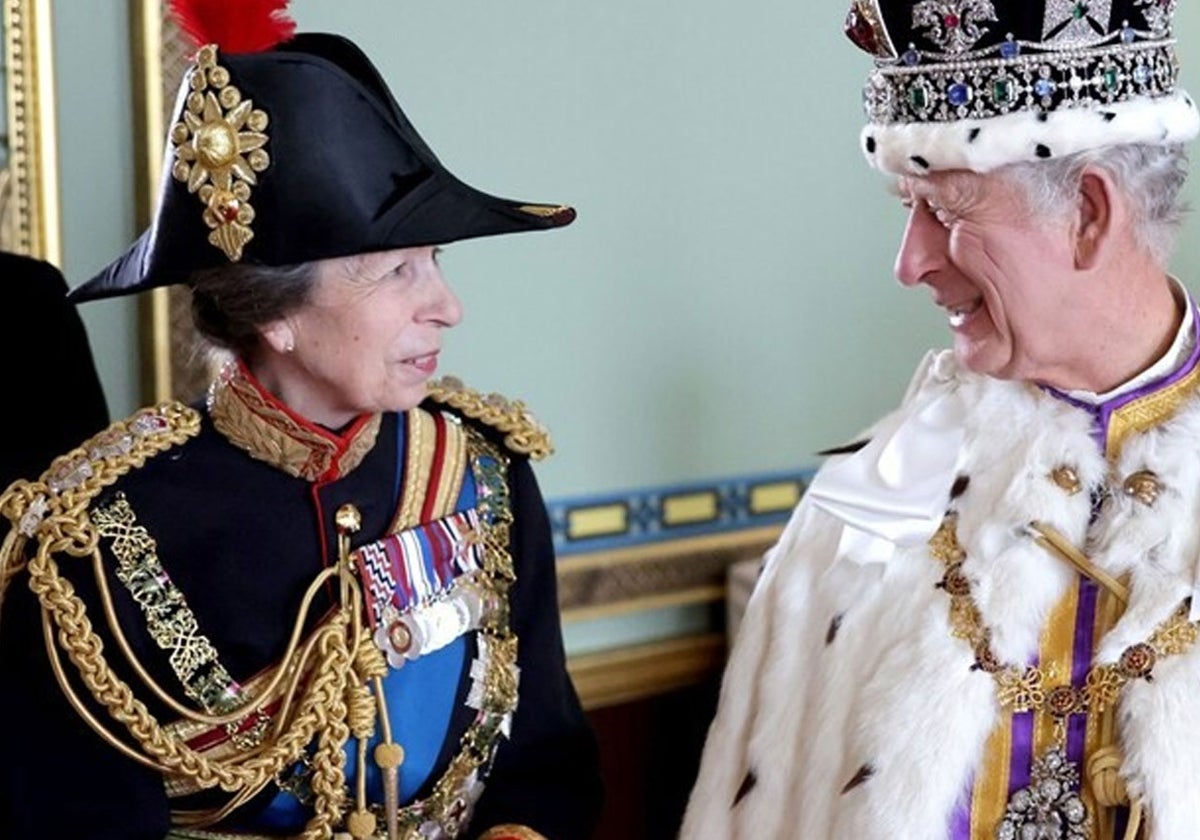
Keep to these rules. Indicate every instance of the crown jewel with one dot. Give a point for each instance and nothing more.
(967, 59)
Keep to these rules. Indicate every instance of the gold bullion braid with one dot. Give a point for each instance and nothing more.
(329, 761)
(166, 753)
(54, 510)
(524, 434)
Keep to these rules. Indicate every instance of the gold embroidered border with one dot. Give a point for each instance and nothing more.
(1057, 646)
(362, 443)
(420, 440)
(269, 434)
(1148, 412)
(991, 786)
(450, 482)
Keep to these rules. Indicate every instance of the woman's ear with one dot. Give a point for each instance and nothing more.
(279, 336)
(1094, 224)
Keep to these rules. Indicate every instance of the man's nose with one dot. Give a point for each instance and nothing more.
(922, 249)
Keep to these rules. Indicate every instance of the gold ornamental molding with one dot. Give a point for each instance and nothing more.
(671, 573)
(31, 206)
(635, 673)
(679, 572)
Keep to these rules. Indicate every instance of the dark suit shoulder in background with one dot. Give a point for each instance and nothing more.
(52, 396)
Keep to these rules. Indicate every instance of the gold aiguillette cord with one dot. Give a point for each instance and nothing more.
(372, 667)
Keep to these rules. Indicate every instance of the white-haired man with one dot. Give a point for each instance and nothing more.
(981, 621)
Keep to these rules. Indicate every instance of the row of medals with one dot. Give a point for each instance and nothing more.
(431, 625)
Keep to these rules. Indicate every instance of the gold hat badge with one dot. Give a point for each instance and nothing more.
(218, 149)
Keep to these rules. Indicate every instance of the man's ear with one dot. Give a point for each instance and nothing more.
(1095, 219)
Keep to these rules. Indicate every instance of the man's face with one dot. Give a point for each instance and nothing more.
(1001, 273)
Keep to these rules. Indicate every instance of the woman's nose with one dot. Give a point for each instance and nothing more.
(445, 307)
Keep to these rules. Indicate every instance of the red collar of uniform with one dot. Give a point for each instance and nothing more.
(255, 420)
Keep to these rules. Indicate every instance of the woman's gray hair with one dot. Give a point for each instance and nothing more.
(1150, 175)
(231, 303)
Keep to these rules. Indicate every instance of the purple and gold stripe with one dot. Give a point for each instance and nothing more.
(1114, 421)
(1068, 641)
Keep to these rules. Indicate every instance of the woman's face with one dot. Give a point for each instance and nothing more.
(367, 341)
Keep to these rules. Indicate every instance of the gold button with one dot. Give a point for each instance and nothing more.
(1144, 486)
(348, 519)
(1066, 478)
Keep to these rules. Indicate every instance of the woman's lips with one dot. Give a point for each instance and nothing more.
(427, 363)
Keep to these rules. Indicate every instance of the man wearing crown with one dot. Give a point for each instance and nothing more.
(981, 622)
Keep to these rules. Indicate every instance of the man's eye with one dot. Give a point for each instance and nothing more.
(944, 216)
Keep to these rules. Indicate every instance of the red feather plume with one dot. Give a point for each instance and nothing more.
(235, 26)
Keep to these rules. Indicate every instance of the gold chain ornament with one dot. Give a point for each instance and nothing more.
(1039, 690)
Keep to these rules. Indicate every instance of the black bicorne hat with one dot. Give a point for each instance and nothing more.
(295, 154)
(977, 84)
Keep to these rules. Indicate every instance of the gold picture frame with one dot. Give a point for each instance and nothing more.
(29, 207)
(173, 366)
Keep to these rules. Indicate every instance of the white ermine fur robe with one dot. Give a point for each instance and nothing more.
(842, 664)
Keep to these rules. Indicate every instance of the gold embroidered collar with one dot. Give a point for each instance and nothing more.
(255, 420)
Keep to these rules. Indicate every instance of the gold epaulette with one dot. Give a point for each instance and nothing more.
(523, 433)
(53, 508)
(73, 479)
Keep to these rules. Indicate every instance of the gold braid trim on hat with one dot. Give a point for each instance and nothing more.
(524, 434)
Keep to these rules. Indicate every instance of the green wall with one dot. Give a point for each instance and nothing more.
(96, 158)
(724, 304)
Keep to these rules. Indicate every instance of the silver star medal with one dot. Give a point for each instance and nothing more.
(1050, 807)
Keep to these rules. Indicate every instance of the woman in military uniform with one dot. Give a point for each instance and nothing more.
(322, 602)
